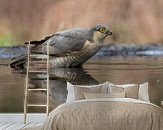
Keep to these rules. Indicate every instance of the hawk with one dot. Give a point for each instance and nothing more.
(69, 48)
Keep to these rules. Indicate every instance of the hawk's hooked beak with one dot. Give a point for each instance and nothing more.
(109, 32)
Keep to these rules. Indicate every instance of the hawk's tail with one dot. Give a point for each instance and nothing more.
(19, 62)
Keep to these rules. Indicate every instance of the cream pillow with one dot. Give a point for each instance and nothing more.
(76, 92)
(101, 95)
(143, 92)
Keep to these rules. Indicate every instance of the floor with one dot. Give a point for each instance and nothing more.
(17, 126)
(14, 121)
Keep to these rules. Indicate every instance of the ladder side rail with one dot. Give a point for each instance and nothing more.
(26, 85)
(47, 109)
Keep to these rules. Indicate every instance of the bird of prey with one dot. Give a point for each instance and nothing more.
(69, 48)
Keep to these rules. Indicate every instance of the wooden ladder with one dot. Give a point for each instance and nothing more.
(31, 71)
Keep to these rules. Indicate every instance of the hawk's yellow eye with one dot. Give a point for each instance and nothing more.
(102, 30)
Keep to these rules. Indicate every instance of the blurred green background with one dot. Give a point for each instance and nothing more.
(131, 21)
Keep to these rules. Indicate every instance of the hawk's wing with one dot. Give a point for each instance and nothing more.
(63, 42)
(60, 43)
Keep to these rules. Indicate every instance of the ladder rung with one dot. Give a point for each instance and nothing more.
(37, 71)
(36, 105)
(38, 61)
(41, 56)
(37, 89)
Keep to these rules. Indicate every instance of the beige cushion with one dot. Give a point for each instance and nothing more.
(79, 91)
(137, 91)
(76, 92)
(131, 91)
(101, 95)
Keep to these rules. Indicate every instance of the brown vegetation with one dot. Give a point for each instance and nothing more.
(139, 21)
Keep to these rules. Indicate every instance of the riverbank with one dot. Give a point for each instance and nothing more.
(110, 50)
(11, 52)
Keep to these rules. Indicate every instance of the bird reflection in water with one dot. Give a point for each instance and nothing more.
(58, 82)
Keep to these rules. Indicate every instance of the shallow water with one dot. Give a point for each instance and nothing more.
(117, 70)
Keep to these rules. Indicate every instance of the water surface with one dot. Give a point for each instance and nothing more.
(117, 70)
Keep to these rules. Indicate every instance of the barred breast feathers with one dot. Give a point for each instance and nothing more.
(78, 57)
